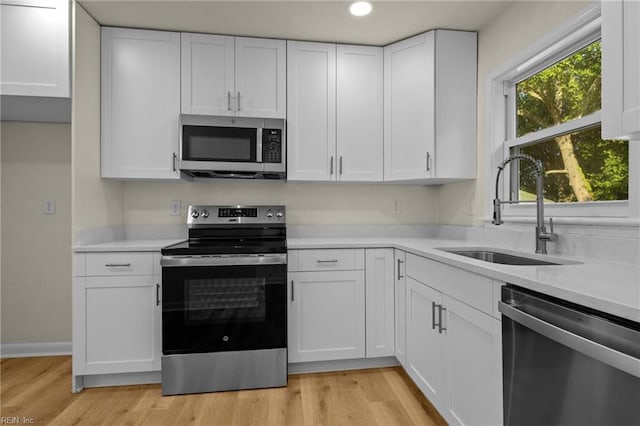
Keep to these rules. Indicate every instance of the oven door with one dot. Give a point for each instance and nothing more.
(223, 303)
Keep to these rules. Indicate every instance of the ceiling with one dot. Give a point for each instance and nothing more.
(327, 20)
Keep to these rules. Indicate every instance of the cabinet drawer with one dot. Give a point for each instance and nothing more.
(118, 263)
(330, 260)
(474, 290)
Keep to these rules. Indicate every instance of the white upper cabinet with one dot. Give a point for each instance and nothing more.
(430, 107)
(621, 69)
(207, 74)
(334, 112)
(359, 123)
(140, 103)
(311, 111)
(35, 48)
(224, 75)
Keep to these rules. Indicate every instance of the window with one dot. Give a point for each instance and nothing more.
(546, 104)
(557, 121)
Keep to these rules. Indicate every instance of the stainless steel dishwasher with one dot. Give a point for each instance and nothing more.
(565, 364)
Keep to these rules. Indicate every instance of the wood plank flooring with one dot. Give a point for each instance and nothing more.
(39, 389)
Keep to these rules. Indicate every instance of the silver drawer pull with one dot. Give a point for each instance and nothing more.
(328, 261)
(117, 265)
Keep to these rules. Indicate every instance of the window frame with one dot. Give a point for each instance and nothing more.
(501, 125)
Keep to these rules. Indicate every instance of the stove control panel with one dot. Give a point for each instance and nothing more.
(217, 215)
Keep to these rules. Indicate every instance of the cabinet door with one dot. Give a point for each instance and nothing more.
(409, 108)
(35, 48)
(207, 74)
(359, 106)
(260, 77)
(140, 103)
(400, 293)
(472, 365)
(118, 324)
(311, 111)
(379, 306)
(425, 348)
(326, 316)
(621, 69)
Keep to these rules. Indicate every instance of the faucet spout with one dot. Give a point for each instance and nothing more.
(542, 236)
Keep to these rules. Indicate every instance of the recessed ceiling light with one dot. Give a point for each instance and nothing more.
(360, 8)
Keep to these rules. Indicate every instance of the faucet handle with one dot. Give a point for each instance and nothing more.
(552, 235)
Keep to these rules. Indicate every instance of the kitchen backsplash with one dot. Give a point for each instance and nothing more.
(620, 245)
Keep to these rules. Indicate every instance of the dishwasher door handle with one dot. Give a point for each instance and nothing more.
(602, 353)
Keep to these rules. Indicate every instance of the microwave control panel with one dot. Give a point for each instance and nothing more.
(271, 145)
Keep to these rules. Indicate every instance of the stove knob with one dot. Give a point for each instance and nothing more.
(279, 214)
(204, 214)
(269, 214)
(195, 214)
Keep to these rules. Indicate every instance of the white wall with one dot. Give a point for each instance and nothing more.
(96, 202)
(516, 28)
(36, 248)
(307, 203)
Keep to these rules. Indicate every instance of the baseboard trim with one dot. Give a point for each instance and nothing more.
(24, 350)
(342, 365)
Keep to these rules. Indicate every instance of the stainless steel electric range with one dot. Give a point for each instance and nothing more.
(224, 311)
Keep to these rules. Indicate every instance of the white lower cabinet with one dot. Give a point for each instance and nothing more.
(379, 297)
(400, 301)
(453, 348)
(341, 304)
(116, 314)
(326, 315)
(425, 348)
(472, 365)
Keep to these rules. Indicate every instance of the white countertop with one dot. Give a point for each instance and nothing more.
(609, 287)
(126, 245)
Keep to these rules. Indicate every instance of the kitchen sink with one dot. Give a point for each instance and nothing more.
(506, 257)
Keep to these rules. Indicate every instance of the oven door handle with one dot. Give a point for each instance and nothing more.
(181, 261)
(578, 343)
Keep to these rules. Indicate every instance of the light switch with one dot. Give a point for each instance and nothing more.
(175, 207)
(49, 206)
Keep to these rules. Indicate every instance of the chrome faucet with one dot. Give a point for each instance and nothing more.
(542, 236)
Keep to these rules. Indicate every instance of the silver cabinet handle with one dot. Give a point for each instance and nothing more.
(331, 166)
(292, 298)
(440, 327)
(428, 161)
(175, 158)
(229, 101)
(117, 265)
(399, 263)
(157, 294)
(341, 165)
(578, 343)
(327, 261)
(433, 315)
(238, 109)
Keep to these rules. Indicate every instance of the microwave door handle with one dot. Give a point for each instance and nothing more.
(259, 145)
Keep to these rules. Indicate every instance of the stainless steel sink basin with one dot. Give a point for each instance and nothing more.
(507, 258)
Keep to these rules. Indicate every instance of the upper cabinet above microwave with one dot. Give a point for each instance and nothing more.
(236, 76)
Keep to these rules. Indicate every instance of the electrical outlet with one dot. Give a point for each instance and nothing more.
(49, 206)
(175, 207)
(396, 207)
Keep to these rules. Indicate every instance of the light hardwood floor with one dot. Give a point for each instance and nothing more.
(39, 389)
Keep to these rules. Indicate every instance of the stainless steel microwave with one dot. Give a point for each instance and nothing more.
(232, 147)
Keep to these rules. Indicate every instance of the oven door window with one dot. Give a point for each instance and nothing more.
(223, 308)
(210, 143)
